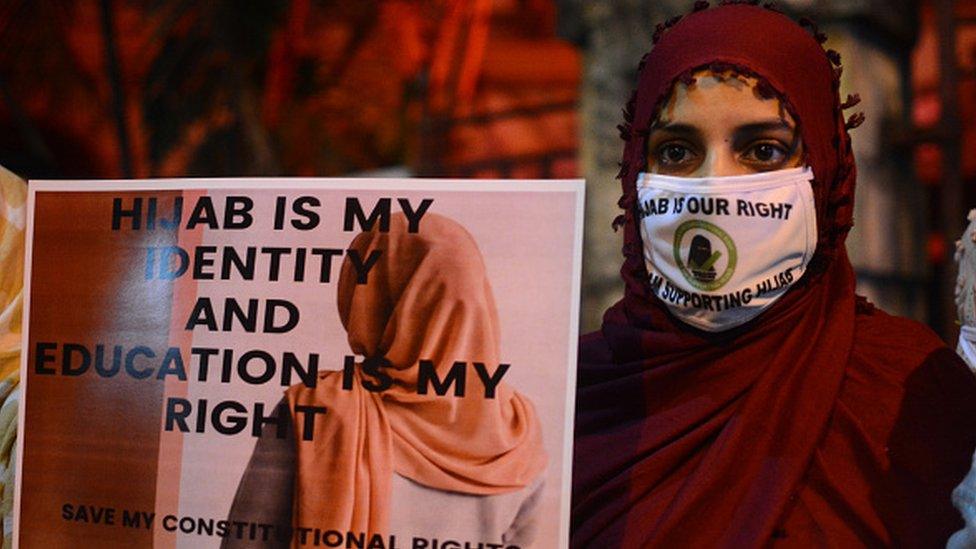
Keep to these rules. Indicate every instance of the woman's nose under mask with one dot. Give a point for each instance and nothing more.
(721, 250)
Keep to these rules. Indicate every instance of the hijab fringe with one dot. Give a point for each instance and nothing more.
(834, 57)
(854, 121)
(851, 101)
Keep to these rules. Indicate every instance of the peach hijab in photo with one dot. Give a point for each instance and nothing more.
(428, 297)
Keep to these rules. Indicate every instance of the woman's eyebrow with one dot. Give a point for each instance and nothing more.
(752, 128)
(748, 132)
(677, 130)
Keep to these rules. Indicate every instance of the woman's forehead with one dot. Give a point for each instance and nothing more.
(720, 99)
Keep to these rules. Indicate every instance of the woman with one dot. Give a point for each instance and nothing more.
(740, 394)
(395, 460)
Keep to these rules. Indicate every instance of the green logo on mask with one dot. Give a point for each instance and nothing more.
(705, 254)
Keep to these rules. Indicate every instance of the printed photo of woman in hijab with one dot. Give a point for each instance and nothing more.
(764, 404)
(400, 461)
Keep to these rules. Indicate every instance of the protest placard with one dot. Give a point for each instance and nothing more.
(299, 362)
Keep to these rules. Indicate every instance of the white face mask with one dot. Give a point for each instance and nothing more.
(721, 250)
(967, 345)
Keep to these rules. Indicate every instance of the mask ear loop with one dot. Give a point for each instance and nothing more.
(813, 235)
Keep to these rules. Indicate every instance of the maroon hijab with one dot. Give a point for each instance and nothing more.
(800, 426)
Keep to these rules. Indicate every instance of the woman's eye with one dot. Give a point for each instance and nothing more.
(770, 154)
(671, 154)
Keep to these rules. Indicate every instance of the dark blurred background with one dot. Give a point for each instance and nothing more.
(473, 88)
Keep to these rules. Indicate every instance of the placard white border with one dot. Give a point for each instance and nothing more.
(575, 186)
(574, 317)
(284, 183)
